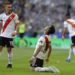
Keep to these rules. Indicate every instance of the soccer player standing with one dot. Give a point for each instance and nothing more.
(69, 26)
(9, 27)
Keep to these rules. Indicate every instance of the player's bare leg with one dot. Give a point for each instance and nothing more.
(9, 58)
(1, 47)
(70, 54)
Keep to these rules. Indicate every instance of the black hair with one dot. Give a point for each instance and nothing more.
(51, 30)
(68, 11)
(10, 1)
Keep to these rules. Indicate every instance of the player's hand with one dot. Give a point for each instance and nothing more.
(47, 60)
(32, 59)
(14, 33)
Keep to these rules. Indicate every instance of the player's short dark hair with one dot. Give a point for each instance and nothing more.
(68, 15)
(8, 2)
(50, 29)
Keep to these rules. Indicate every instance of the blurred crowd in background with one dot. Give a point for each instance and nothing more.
(37, 14)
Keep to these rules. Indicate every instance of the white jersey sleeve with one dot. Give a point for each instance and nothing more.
(65, 24)
(16, 19)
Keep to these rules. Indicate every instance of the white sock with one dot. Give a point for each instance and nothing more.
(73, 50)
(70, 53)
(55, 69)
(9, 58)
(45, 69)
(40, 69)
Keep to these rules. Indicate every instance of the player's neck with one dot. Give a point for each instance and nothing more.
(8, 13)
(46, 34)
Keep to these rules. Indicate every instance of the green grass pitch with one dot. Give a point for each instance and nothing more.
(21, 58)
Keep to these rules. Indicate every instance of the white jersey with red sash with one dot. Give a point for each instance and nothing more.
(70, 25)
(44, 41)
(8, 25)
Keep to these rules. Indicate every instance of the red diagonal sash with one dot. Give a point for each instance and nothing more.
(47, 42)
(72, 24)
(8, 21)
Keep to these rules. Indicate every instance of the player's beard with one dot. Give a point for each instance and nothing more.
(8, 12)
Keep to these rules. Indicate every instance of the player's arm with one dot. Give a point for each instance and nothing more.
(16, 29)
(16, 26)
(0, 25)
(17, 23)
(1, 22)
(64, 30)
(40, 44)
(37, 50)
(64, 33)
(48, 53)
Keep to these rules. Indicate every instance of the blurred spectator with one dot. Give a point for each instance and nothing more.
(39, 13)
(22, 30)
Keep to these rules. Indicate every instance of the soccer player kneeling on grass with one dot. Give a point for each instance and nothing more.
(43, 46)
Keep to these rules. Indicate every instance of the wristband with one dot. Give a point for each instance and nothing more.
(15, 31)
